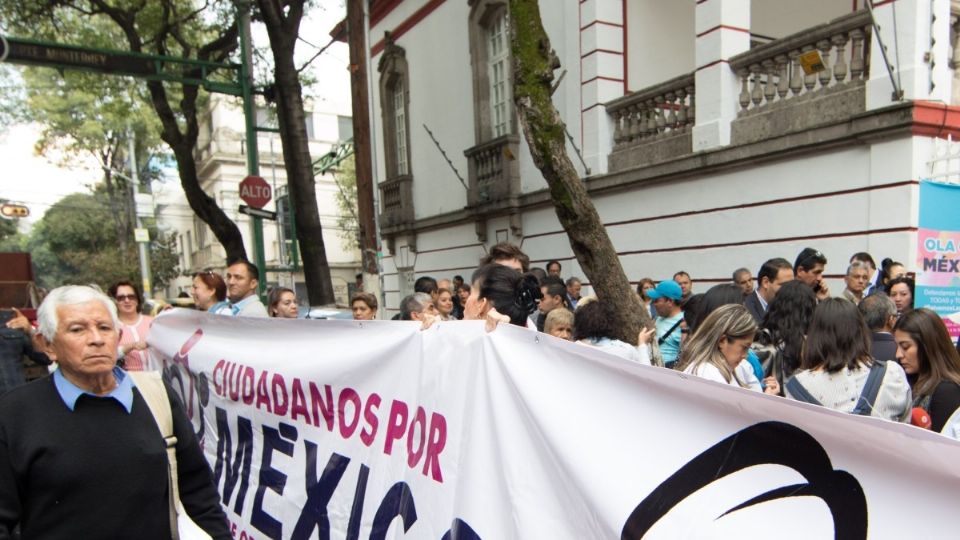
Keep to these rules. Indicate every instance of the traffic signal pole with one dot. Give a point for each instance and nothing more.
(250, 122)
(142, 247)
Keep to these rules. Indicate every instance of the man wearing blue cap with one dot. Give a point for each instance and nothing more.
(666, 300)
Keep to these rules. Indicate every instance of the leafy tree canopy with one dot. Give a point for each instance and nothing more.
(71, 245)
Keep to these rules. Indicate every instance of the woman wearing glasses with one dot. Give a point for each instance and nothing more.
(134, 326)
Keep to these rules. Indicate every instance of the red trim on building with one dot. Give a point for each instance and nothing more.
(608, 51)
(408, 24)
(381, 9)
(715, 62)
(580, 48)
(936, 120)
(768, 241)
(724, 27)
(882, 3)
(748, 205)
(625, 73)
(700, 2)
(599, 77)
(598, 21)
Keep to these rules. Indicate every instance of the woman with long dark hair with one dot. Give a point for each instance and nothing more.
(784, 329)
(837, 371)
(927, 354)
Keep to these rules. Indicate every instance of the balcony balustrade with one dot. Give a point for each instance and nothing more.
(772, 72)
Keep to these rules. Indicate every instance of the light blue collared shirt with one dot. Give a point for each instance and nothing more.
(235, 309)
(70, 393)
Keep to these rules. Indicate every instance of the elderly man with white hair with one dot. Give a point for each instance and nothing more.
(81, 455)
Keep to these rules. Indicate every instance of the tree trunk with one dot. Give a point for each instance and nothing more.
(361, 137)
(533, 64)
(182, 145)
(282, 31)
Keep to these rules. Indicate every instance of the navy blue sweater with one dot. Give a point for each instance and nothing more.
(98, 471)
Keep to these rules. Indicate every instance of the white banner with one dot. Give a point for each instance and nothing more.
(342, 429)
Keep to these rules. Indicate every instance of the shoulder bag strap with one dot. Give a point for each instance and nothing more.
(868, 396)
(150, 386)
(663, 339)
(799, 392)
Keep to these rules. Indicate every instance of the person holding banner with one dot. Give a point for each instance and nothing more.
(932, 364)
(209, 291)
(81, 455)
(135, 326)
(837, 371)
(501, 294)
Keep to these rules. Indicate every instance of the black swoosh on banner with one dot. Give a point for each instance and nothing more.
(766, 443)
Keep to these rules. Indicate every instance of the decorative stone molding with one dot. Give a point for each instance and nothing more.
(396, 191)
(772, 73)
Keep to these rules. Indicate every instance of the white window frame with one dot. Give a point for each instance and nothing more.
(498, 54)
(400, 127)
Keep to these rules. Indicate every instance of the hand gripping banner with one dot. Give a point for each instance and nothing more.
(344, 429)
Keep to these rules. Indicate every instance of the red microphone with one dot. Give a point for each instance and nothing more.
(920, 418)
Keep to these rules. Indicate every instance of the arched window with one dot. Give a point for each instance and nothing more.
(490, 60)
(394, 103)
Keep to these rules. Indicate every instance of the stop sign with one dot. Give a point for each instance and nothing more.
(255, 191)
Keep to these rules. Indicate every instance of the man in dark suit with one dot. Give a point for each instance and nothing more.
(880, 314)
(771, 276)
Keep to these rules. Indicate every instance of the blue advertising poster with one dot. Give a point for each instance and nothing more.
(938, 251)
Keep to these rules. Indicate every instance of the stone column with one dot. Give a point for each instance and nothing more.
(601, 76)
(723, 31)
(920, 52)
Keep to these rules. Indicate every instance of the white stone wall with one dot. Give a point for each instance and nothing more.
(858, 197)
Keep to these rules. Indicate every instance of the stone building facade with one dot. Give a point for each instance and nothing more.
(704, 142)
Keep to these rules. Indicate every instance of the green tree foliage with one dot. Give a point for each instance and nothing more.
(347, 222)
(191, 29)
(8, 229)
(10, 237)
(71, 245)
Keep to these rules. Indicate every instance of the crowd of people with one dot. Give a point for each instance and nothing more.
(865, 351)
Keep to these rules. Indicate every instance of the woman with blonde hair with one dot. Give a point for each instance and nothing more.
(717, 351)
